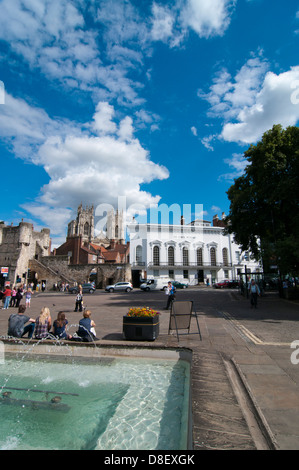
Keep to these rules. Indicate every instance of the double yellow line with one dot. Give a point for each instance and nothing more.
(244, 331)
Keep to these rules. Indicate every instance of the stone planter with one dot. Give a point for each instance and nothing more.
(141, 328)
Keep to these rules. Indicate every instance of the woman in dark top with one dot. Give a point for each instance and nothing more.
(86, 327)
(59, 326)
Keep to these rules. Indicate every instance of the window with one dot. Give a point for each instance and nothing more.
(171, 273)
(138, 254)
(171, 256)
(86, 228)
(186, 274)
(213, 256)
(225, 256)
(156, 256)
(238, 256)
(199, 256)
(185, 257)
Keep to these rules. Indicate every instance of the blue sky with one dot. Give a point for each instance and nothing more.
(152, 101)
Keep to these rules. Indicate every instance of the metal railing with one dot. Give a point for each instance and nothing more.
(190, 264)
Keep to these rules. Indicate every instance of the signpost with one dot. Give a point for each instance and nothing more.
(4, 272)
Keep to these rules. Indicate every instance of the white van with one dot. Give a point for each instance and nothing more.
(154, 284)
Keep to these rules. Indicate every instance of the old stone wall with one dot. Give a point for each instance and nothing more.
(19, 244)
(56, 269)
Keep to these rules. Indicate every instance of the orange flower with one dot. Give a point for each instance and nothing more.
(142, 312)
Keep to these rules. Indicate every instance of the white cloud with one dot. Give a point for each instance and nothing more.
(215, 209)
(95, 163)
(238, 163)
(206, 141)
(102, 119)
(55, 218)
(52, 36)
(207, 17)
(24, 128)
(162, 23)
(95, 46)
(228, 96)
(275, 103)
(253, 101)
(194, 131)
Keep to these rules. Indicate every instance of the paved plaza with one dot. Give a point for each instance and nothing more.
(245, 376)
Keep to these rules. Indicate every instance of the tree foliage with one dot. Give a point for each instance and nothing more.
(264, 202)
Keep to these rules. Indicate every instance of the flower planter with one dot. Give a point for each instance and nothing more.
(141, 328)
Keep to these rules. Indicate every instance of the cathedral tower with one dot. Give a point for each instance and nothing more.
(83, 225)
(115, 227)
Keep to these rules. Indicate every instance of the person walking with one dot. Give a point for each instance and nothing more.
(28, 295)
(7, 297)
(79, 302)
(254, 291)
(13, 297)
(170, 291)
(19, 296)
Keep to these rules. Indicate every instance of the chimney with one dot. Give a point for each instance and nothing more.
(215, 220)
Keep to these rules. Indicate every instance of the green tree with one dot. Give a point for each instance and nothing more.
(264, 202)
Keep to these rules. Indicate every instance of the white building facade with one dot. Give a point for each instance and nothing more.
(193, 253)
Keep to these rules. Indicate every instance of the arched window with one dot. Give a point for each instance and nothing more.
(225, 256)
(185, 257)
(213, 256)
(116, 231)
(86, 228)
(138, 254)
(199, 256)
(156, 256)
(171, 256)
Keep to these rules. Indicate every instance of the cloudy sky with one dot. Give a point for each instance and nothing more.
(151, 101)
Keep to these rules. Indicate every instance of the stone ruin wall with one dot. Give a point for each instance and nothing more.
(56, 269)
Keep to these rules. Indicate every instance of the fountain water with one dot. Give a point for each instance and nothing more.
(111, 398)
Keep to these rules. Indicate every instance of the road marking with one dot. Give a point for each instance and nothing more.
(244, 331)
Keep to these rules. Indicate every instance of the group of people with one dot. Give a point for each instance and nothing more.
(253, 289)
(41, 326)
(11, 297)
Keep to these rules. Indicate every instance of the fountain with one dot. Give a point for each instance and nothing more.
(93, 396)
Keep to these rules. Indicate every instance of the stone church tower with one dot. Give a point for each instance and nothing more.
(115, 227)
(83, 225)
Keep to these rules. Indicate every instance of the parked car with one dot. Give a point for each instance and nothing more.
(154, 284)
(119, 286)
(233, 283)
(179, 285)
(86, 288)
(226, 284)
(221, 284)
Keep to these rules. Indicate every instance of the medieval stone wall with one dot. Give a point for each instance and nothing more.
(18, 245)
(56, 269)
